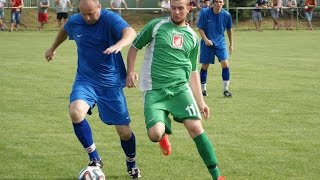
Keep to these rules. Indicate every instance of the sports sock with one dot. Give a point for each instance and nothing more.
(129, 148)
(203, 76)
(84, 134)
(225, 78)
(207, 154)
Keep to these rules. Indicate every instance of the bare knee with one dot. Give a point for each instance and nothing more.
(156, 132)
(124, 132)
(78, 110)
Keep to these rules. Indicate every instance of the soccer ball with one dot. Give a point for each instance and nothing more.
(91, 173)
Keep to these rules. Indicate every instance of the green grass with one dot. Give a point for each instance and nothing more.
(270, 129)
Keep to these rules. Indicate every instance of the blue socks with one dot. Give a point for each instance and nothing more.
(129, 148)
(225, 74)
(203, 76)
(84, 134)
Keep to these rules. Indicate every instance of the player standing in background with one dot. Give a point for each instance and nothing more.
(170, 81)
(62, 9)
(43, 6)
(212, 24)
(101, 76)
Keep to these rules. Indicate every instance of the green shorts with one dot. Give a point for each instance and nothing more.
(177, 101)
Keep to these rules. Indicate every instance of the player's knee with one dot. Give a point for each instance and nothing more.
(154, 136)
(76, 114)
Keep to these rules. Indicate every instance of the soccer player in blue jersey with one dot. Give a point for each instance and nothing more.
(101, 76)
(212, 24)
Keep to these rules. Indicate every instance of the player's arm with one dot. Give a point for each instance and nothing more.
(207, 41)
(132, 76)
(230, 37)
(197, 93)
(128, 35)
(60, 38)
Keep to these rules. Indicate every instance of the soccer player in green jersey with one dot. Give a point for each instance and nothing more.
(170, 81)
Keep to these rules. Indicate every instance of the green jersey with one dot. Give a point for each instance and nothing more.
(171, 54)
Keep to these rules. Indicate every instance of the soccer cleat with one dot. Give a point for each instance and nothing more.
(165, 145)
(204, 93)
(134, 173)
(96, 163)
(221, 178)
(227, 94)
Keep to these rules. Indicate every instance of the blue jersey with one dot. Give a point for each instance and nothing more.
(94, 67)
(214, 26)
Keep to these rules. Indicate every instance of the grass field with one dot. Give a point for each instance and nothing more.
(270, 129)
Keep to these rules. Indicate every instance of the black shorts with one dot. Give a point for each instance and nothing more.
(61, 15)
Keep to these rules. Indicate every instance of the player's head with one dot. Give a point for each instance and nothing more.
(90, 10)
(218, 4)
(179, 11)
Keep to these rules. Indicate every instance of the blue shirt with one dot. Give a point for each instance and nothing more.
(214, 26)
(260, 3)
(94, 67)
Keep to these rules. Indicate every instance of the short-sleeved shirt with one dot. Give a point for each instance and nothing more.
(171, 54)
(260, 3)
(214, 26)
(62, 6)
(44, 9)
(94, 67)
(16, 3)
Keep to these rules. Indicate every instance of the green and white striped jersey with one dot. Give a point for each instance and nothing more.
(171, 54)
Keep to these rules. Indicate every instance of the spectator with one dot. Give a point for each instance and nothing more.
(288, 9)
(165, 5)
(194, 12)
(2, 4)
(62, 9)
(308, 10)
(117, 4)
(275, 10)
(43, 6)
(256, 14)
(16, 7)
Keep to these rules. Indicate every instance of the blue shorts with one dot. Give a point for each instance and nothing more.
(111, 102)
(208, 53)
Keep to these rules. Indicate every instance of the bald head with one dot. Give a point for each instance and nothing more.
(90, 10)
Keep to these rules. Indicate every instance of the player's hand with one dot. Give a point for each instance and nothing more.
(132, 78)
(49, 54)
(112, 49)
(205, 111)
(230, 49)
(208, 42)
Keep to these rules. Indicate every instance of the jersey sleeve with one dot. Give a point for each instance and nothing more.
(194, 55)
(118, 25)
(146, 35)
(201, 21)
(229, 22)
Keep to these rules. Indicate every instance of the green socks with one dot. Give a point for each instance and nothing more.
(207, 154)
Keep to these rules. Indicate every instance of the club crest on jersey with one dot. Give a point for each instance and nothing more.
(177, 41)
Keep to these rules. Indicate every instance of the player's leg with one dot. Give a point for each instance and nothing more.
(184, 109)
(156, 118)
(225, 74)
(113, 111)
(207, 54)
(82, 99)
